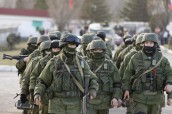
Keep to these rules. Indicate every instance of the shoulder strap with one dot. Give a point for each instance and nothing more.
(99, 67)
(74, 79)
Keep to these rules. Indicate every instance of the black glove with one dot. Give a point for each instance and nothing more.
(23, 98)
(31, 94)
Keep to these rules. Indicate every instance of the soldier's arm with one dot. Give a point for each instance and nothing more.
(127, 76)
(118, 61)
(117, 93)
(45, 78)
(34, 75)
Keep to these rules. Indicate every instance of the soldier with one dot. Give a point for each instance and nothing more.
(44, 49)
(124, 51)
(121, 47)
(147, 75)
(85, 40)
(64, 75)
(37, 51)
(55, 49)
(133, 51)
(124, 64)
(21, 64)
(102, 35)
(11, 38)
(108, 78)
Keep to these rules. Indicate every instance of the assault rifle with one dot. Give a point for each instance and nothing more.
(85, 97)
(10, 57)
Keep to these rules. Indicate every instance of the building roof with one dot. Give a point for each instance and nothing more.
(24, 12)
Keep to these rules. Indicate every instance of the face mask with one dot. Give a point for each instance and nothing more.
(32, 47)
(97, 55)
(70, 52)
(149, 51)
(55, 53)
(46, 52)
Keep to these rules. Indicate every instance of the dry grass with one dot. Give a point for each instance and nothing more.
(16, 51)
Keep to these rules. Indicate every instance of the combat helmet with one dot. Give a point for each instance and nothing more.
(150, 37)
(139, 39)
(53, 36)
(32, 40)
(97, 44)
(126, 36)
(42, 38)
(101, 34)
(69, 38)
(86, 38)
(45, 45)
(55, 44)
(58, 34)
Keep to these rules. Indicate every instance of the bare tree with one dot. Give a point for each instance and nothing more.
(62, 13)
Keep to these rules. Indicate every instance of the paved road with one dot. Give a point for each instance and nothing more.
(9, 87)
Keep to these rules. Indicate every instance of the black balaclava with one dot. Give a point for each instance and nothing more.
(69, 52)
(97, 55)
(149, 51)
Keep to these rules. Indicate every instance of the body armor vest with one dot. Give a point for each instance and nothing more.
(104, 76)
(63, 84)
(152, 81)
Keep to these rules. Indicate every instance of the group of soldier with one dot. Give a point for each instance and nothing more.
(57, 74)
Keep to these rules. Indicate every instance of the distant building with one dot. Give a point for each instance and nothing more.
(23, 22)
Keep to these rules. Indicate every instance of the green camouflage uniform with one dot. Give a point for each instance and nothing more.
(27, 73)
(21, 64)
(147, 90)
(64, 94)
(122, 55)
(108, 79)
(37, 71)
(130, 53)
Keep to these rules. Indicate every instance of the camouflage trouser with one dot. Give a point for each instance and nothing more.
(43, 109)
(139, 108)
(129, 105)
(35, 110)
(65, 106)
(97, 111)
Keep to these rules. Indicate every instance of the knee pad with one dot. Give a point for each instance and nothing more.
(140, 113)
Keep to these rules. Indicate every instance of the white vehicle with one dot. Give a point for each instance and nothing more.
(111, 37)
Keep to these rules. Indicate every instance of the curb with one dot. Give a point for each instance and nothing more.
(7, 68)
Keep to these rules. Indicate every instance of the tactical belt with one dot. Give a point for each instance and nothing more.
(148, 92)
(103, 93)
(67, 94)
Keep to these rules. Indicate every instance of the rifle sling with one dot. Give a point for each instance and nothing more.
(99, 67)
(74, 79)
(150, 69)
